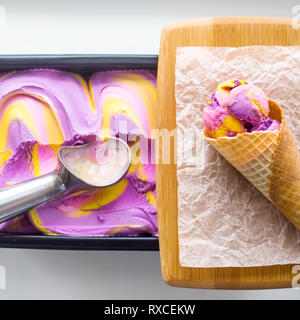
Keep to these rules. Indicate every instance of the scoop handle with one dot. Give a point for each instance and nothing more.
(24, 196)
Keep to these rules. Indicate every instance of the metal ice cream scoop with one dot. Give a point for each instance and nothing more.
(97, 164)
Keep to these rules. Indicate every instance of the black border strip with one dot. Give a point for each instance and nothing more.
(79, 243)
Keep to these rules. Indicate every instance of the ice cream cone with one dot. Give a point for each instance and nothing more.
(270, 160)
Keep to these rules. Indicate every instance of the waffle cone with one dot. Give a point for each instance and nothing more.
(270, 161)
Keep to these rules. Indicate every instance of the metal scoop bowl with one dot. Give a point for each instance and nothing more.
(98, 164)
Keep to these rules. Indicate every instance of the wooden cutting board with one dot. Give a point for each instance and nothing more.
(229, 32)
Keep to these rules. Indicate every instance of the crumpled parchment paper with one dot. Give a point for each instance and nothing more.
(223, 221)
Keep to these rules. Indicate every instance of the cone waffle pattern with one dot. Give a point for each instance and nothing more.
(270, 161)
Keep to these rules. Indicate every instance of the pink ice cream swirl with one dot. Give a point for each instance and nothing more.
(125, 101)
(41, 110)
(236, 107)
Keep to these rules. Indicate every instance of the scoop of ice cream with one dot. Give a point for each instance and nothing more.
(220, 123)
(236, 107)
(248, 103)
(221, 95)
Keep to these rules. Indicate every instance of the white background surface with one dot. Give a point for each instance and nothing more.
(112, 26)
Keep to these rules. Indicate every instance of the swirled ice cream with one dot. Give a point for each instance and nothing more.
(236, 107)
(40, 110)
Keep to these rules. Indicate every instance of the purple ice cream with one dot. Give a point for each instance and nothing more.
(245, 106)
(44, 109)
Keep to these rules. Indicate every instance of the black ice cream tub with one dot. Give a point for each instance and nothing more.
(84, 65)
